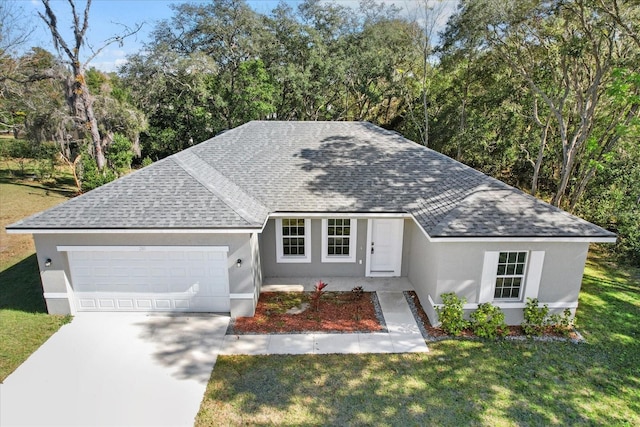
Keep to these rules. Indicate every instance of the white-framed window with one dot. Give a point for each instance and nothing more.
(339, 238)
(293, 239)
(512, 275)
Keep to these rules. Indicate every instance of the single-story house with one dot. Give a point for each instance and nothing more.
(199, 230)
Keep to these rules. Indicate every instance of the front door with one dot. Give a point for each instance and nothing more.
(384, 242)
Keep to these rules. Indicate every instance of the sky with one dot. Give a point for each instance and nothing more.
(107, 18)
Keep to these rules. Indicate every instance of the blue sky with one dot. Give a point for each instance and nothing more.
(107, 17)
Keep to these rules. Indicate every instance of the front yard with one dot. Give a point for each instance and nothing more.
(24, 321)
(460, 382)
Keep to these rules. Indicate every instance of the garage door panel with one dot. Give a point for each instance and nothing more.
(144, 280)
(162, 304)
(107, 304)
(125, 304)
(144, 304)
(84, 303)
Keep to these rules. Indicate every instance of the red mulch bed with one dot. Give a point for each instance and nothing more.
(337, 312)
(514, 331)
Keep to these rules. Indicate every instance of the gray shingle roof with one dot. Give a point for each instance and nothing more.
(236, 179)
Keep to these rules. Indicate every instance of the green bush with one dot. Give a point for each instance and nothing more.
(119, 154)
(146, 161)
(19, 149)
(562, 323)
(451, 314)
(91, 177)
(488, 321)
(535, 317)
(47, 155)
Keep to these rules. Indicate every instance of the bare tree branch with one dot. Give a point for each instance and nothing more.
(14, 30)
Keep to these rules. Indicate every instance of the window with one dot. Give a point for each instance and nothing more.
(510, 275)
(293, 239)
(339, 239)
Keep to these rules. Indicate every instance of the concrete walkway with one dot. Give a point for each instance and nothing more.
(116, 369)
(403, 336)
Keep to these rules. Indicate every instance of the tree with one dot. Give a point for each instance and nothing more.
(428, 15)
(14, 33)
(114, 109)
(175, 92)
(14, 28)
(565, 55)
(78, 95)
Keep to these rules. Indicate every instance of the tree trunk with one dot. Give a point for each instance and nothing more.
(565, 175)
(92, 124)
(83, 101)
(538, 165)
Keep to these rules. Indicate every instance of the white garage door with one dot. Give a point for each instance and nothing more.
(191, 279)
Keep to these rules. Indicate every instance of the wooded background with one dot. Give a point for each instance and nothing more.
(544, 95)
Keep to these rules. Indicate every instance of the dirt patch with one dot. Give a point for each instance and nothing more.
(295, 312)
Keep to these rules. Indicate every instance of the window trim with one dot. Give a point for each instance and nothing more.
(280, 256)
(353, 239)
(533, 276)
(522, 276)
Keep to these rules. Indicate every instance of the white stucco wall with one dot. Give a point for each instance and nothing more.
(423, 267)
(437, 268)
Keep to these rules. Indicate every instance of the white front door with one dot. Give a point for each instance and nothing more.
(384, 242)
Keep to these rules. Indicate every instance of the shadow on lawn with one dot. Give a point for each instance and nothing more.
(61, 186)
(20, 287)
(472, 385)
(458, 383)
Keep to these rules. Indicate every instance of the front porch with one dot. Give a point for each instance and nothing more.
(337, 284)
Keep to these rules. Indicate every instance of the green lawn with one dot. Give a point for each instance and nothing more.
(459, 382)
(24, 322)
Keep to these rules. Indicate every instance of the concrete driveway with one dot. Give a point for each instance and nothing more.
(116, 369)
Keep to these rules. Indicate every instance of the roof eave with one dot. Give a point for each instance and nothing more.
(488, 239)
(219, 230)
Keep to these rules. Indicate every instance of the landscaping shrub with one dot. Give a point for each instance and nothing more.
(317, 294)
(488, 321)
(537, 319)
(562, 323)
(451, 314)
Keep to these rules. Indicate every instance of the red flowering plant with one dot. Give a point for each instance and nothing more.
(317, 294)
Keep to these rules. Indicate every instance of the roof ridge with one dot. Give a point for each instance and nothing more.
(463, 204)
(230, 193)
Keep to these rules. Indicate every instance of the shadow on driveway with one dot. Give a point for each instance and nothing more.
(116, 369)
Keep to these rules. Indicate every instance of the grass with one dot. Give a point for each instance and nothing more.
(24, 321)
(460, 382)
